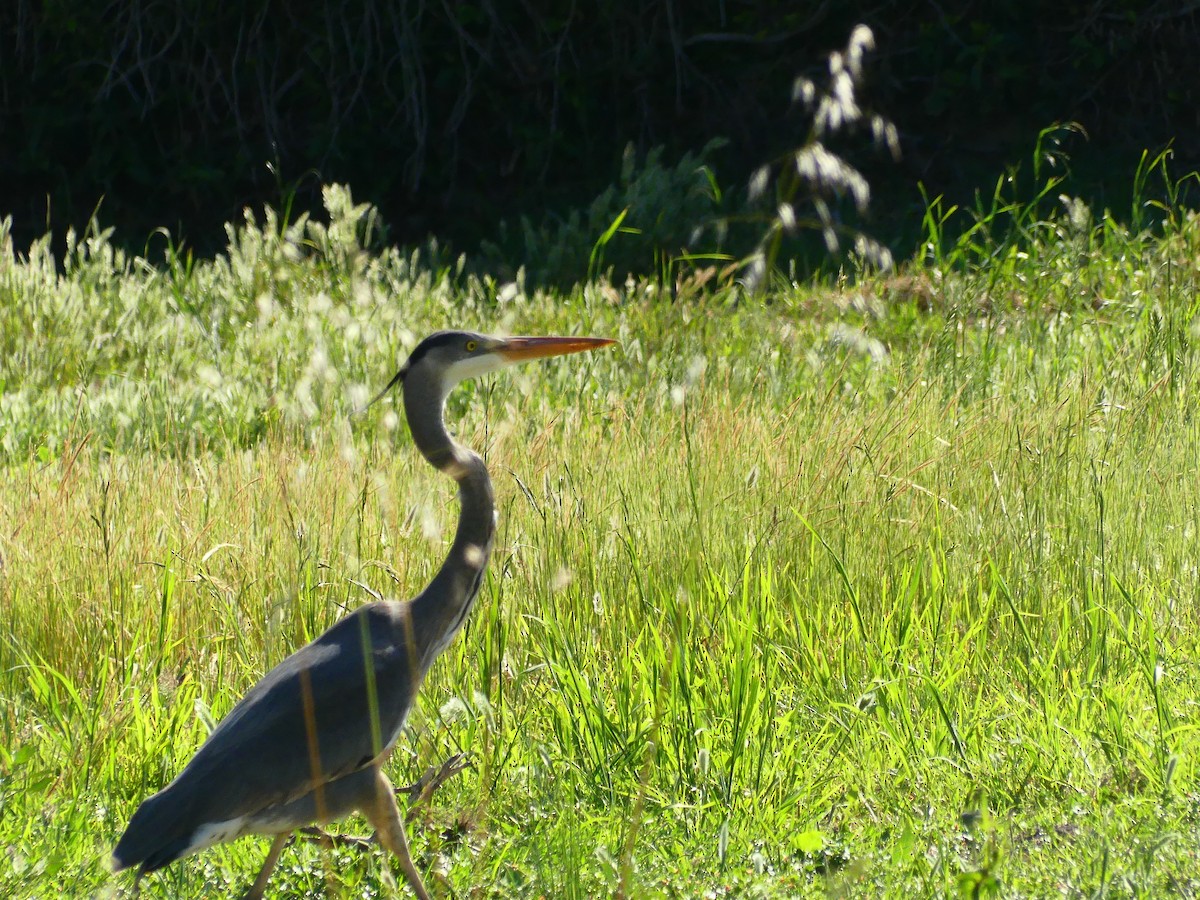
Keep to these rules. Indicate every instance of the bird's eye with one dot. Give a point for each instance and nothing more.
(471, 345)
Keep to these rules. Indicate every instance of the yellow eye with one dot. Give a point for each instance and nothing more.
(471, 345)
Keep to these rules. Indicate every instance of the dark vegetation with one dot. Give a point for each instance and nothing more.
(455, 117)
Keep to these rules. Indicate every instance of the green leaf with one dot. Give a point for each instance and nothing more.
(809, 842)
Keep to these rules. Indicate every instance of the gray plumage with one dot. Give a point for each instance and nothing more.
(306, 744)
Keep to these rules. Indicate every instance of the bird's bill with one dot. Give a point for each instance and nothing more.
(519, 349)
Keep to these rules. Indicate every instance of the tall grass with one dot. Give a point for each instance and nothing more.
(880, 588)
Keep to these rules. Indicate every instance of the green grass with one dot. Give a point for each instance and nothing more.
(882, 587)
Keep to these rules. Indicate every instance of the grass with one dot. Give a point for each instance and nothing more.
(886, 586)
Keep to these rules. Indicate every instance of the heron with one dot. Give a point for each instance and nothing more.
(306, 745)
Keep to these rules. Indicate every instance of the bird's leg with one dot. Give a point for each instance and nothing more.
(384, 816)
(320, 835)
(260, 883)
(421, 791)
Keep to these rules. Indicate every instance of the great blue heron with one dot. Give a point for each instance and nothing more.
(306, 744)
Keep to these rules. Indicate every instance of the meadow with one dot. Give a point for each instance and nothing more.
(875, 585)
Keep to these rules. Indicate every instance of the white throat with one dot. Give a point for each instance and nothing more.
(472, 367)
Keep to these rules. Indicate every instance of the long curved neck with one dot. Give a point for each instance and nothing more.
(439, 611)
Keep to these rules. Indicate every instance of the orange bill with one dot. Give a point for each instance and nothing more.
(522, 348)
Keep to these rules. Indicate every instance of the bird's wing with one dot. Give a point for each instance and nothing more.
(329, 709)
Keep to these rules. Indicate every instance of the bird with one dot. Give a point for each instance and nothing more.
(307, 743)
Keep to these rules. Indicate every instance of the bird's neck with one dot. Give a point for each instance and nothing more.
(440, 611)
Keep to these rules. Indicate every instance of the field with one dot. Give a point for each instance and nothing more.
(875, 586)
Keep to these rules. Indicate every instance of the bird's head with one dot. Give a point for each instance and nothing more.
(445, 358)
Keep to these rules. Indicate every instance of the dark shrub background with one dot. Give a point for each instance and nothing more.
(453, 116)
